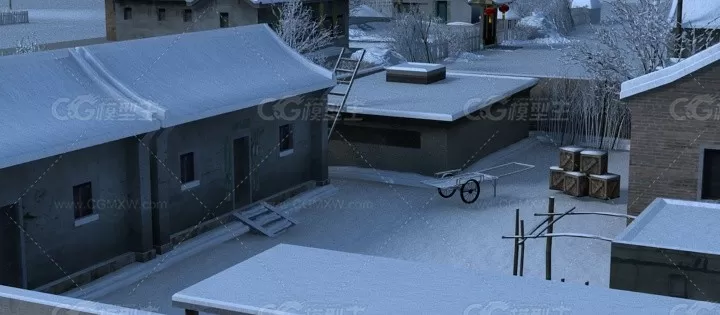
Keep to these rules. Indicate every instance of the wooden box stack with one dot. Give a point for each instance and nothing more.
(584, 173)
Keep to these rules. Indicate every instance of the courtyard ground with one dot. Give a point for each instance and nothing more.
(414, 223)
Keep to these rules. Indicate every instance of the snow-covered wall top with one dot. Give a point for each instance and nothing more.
(698, 13)
(590, 4)
(675, 224)
(287, 279)
(670, 74)
(65, 100)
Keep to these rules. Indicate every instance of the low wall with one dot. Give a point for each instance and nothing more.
(14, 17)
(14, 301)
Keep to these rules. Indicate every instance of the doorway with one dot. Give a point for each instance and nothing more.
(489, 30)
(10, 247)
(241, 172)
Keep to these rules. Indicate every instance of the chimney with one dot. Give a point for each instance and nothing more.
(110, 29)
(415, 72)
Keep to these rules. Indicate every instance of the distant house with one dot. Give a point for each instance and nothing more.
(428, 128)
(675, 127)
(700, 19)
(132, 19)
(668, 250)
(586, 11)
(112, 153)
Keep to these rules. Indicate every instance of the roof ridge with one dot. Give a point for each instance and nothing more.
(143, 107)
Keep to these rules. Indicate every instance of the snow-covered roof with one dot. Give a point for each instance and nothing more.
(458, 95)
(697, 13)
(590, 4)
(168, 80)
(677, 225)
(289, 279)
(670, 74)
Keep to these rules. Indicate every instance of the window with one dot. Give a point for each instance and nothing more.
(82, 199)
(678, 286)
(161, 14)
(379, 136)
(187, 168)
(441, 10)
(401, 7)
(224, 19)
(127, 13)
(286, 139)
(710, 175)
(187, 15)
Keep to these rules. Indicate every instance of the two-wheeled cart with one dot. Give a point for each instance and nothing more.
(448, 182)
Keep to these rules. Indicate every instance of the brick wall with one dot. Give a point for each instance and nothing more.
(667, 140)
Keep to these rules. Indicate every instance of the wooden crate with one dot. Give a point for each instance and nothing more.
(606, 186)
(594, 162)
(570, 158)
(557, 177)
(575, 184)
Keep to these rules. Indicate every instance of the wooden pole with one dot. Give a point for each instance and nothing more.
(548, 241)
(522, 248)
(679, 27)
(517, 242)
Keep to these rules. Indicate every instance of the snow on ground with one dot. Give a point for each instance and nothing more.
(416, 224)
(55, 25)
(466, 57)
(380, 56)
(365, 11)
(371, 31)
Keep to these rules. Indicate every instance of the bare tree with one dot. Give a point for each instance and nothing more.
(300, 30)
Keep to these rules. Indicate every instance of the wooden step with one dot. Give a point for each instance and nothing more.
(265, 219)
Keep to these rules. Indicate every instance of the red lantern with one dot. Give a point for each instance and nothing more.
(490, 11)
(504, 8)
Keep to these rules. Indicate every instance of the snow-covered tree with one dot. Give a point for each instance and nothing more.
(300, 30)
(420, 37)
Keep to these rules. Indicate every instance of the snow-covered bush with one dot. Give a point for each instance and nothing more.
(380, 57)
(27, 44)
(556, 13)
(296, 26)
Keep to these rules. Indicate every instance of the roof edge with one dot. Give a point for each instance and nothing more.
(670, 74)
(292, 52)
(627, 235)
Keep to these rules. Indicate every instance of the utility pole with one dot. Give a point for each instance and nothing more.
(679, 27)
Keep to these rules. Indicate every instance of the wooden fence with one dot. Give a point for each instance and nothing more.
(14, 17)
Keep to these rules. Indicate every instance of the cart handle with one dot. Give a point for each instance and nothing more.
(445, 173)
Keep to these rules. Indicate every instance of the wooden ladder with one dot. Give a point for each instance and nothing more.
(265, 219)
(344, 72)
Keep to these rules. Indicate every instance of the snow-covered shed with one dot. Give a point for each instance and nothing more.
(682, 98)
(105, 139)
(428, 128)
(670, 249)
(288, 279)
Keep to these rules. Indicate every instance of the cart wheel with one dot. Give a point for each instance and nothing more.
(470, 191)
(446, 192)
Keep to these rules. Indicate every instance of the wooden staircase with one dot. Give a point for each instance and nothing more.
(265, 219)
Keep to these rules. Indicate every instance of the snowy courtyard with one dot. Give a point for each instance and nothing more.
(414, 223)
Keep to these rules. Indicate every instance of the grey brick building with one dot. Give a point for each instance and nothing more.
(675, 150)
(110, 152)
(428, 128)
(670, 250)
(132, 19)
